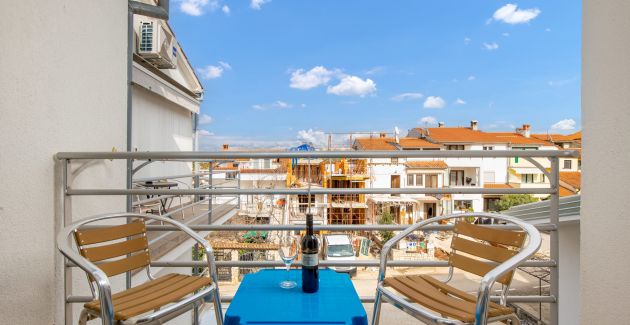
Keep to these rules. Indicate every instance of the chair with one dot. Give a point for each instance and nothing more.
(492, 253)
(104, 252)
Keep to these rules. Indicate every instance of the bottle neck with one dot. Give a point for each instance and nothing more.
(309, 224)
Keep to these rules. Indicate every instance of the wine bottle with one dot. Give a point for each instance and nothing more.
(310, 258)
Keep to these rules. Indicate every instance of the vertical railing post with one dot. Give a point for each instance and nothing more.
(64, 217)
(130, 48)
(210, 186)
(554, 218)
(238, 185)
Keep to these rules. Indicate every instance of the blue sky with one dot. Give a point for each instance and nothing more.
(279, 72)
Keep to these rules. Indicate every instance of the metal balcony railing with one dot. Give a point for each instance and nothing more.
(65, 191)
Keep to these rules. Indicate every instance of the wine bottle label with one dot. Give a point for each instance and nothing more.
(309, 260)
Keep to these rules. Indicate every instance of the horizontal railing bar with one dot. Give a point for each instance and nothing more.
(193, 155)
(364, 299)
(326, 263)
(340, 228)
(314, 191)
(156, 178)
(153, 199)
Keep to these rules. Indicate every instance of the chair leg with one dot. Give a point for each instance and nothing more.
(83, 318)
(195, 315)
(377, 308)
(218, 312)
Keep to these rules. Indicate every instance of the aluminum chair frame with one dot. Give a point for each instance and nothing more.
(483, 294)
(64, 244)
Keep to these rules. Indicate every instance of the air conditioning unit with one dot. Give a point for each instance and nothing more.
(157, 45)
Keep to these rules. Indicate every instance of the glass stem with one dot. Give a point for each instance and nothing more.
(288, 271)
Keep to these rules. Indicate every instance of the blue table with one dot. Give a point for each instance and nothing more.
(260, 300)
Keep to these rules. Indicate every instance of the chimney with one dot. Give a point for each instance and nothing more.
(525, 130)
(381, 135)
(440, 124)
(226, 146)
(473, 125)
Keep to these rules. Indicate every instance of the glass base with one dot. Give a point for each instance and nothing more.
(288, 284)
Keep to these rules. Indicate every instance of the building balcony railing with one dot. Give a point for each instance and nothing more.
(211, 193)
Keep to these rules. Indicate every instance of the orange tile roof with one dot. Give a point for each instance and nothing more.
(496, 185)
(416, 143)
(566, 192)
(467, 135)
(390, 143)
(438, 164)
(572, 178)
(577, 136)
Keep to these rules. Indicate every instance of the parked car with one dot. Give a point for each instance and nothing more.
(338, 247)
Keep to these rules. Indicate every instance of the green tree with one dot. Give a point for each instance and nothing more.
(510, 200)
(386, 219)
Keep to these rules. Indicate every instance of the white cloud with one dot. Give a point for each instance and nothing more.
(353, 86)
(505, 34)
(564, 125)
(204, 133)
(511, 14)
(214, 71)
(460, 101)
(315, 137)
(317, 76)
(205, 119)
(428, 120)
(226, 10)
(467, 40)
(560, 83)
(277, 104)
(491, 46)
(434, 102)
(547, 29)
(471, 78)
(257, 4)
(198, 7)
(406, 96)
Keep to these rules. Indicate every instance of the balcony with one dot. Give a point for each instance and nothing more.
(219, 212)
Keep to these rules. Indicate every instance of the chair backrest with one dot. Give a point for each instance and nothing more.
(105, 246)
(475, 248)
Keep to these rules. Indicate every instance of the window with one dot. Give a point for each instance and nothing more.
(267, 163)
(431, 181)
(462, 205)
(410, 179)
(457, 178)
(527, 178)
(304, 202)
(567, 164)
(455, 147)
(419, 181)
(394, 161)
(488, 148)
(579, 164)
(490, 204)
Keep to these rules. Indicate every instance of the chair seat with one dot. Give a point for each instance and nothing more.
(151, 295)
(442, 298)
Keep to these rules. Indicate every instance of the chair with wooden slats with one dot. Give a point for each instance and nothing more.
(104, 252)
(486, 251)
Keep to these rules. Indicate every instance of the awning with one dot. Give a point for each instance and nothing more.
(526, 170)
(348, 205)
(398, 200)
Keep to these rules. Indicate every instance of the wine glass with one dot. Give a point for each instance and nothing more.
(288, 249)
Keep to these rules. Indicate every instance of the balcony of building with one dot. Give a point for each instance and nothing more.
(223, 214)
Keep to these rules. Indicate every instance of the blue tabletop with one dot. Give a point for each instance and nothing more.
(260, 300)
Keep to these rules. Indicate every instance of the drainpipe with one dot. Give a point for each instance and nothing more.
(161, 12)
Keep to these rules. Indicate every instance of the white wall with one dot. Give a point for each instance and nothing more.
(160, 125)
(62, 88)
(605, 160)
